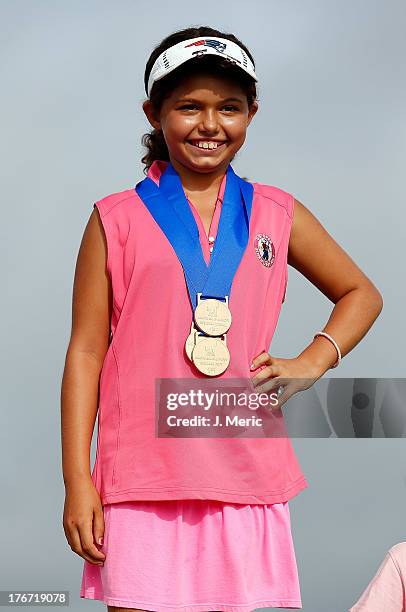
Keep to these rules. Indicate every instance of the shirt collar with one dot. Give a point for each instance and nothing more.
(159, 166)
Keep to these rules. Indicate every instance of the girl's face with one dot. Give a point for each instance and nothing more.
(203, 108)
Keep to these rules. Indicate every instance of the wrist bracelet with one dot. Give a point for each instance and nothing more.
(321, 333)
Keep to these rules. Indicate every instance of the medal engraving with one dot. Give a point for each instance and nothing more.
(213, 317)
(210, 355)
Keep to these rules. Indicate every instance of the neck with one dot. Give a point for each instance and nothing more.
(200, 182)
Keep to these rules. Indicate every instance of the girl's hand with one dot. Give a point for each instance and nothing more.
(83, 520)
(292, 374)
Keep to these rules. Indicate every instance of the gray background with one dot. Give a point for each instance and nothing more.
(330, 130)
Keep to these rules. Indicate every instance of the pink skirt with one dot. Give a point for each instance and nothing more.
(195, 556)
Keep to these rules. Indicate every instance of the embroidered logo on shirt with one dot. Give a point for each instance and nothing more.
(264, 249)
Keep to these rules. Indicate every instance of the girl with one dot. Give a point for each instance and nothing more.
(387, 589)
(183, 277)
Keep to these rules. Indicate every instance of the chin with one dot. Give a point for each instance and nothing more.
(205, 163)
(198, 165)
(204, 166)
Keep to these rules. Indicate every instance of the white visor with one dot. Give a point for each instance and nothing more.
(187, 49)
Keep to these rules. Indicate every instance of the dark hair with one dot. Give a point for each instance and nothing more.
(154, 141)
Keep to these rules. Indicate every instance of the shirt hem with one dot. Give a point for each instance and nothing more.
(192, 607)
(236, 497)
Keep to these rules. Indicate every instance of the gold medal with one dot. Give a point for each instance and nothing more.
(210, 355)
(212, 316)
(190, 341)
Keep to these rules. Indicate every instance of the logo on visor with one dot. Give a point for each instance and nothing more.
(264, 249)
(208, 42)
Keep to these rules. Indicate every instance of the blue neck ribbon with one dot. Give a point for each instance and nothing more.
(168, 205)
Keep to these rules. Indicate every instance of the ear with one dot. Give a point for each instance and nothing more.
(147, 108)
(253, 109)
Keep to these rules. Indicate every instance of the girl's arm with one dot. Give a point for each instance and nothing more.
(357, 303)
(314, 253)
(91, 309)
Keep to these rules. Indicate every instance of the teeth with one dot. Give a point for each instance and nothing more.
(206, 145)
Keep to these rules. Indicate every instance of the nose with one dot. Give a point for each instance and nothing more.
(209, 121)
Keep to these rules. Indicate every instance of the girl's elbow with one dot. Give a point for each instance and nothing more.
(370, 296)
(376, 299)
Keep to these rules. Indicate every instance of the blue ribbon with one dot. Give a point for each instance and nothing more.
(169, 207)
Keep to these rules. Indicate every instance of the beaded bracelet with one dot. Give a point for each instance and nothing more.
(321, 333)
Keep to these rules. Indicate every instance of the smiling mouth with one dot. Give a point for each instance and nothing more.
(208, 147)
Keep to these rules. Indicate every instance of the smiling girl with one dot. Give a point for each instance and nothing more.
(183, 277)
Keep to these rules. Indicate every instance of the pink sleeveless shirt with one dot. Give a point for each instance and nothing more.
(151, 319)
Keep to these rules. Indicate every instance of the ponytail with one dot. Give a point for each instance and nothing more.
(154, 141)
